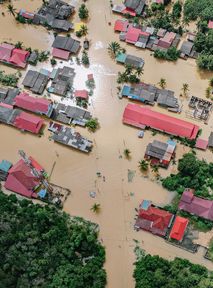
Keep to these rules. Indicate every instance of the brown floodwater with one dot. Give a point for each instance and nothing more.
(77, 171)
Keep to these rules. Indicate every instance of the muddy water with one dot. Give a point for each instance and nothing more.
(77, 171)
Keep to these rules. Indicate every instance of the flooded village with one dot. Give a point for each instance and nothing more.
(92, 166)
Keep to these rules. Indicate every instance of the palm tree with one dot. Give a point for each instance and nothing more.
(114, 48)
(155, 169)
(139, 71)
(128, 68)
(122, 78)
(185, 88)
(11, 10)
(162, 83)
(96, 208)
(19, 44)
(84, 30)
(127, 153)
(143, 165)
(208, 92)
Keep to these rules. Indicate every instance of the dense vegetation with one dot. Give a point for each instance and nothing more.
(192, 173)
(202, 11)
(43, 247)
(195, 10)
(171, 54)
(9, 79)
(156, 272)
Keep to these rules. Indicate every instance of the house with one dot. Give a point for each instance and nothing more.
(69, 137)
(25, 14)
(210, 24)
(21, 180)
(134, 7)
(138, 116)
(70, 114)
(54, 15)
(165, 98)
(132, 35)
(210, 142)
(167, 40)
(138, 93)
(201, 144)
(37, 105)
(13, 56)
(196, 205)
(35, 81)
(179, 228)
(186, 48)
(152, 219)
(160, 153)
(33, 58)
(62, 80)
(28, 122)
(7, 95)
(132, 60)
(121, 25)
(64, 46)
(81, 94)
(118, 8)
(4, 168)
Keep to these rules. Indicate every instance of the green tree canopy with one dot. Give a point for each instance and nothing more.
(43, 247)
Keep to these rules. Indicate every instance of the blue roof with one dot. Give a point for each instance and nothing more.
(42, 193)
(145, 204)
(5, 165)
(171, 142)
(125, 90)
(121, 57)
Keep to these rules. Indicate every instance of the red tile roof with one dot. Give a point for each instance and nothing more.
(21, 180)
(132, 35)
(83, 94)
(210, 24)
(195, 205)
(179, 228)
(121, 25)
(201, 144)
(154, 220)
(27, 102)
(128, 11)
(28, 122)
(19, 57)
(59, 53)
(6, 51)
(138, 116)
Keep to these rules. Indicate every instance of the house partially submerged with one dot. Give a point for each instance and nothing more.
(40, 106)
(19, 119)
(27, 122)
(70, 114)
(81, 94)
(196, 205)
(4, 168)
(131, 60)
(152, 219)
(142, 117)
(134, 7)
(149, 94)
(64, 46)
(160, 153)
(35, 81)
(62, 80)
(121, 25)
(13, 56)
(54, 15)
(179, 228)
(7, 95)
(69, 137)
